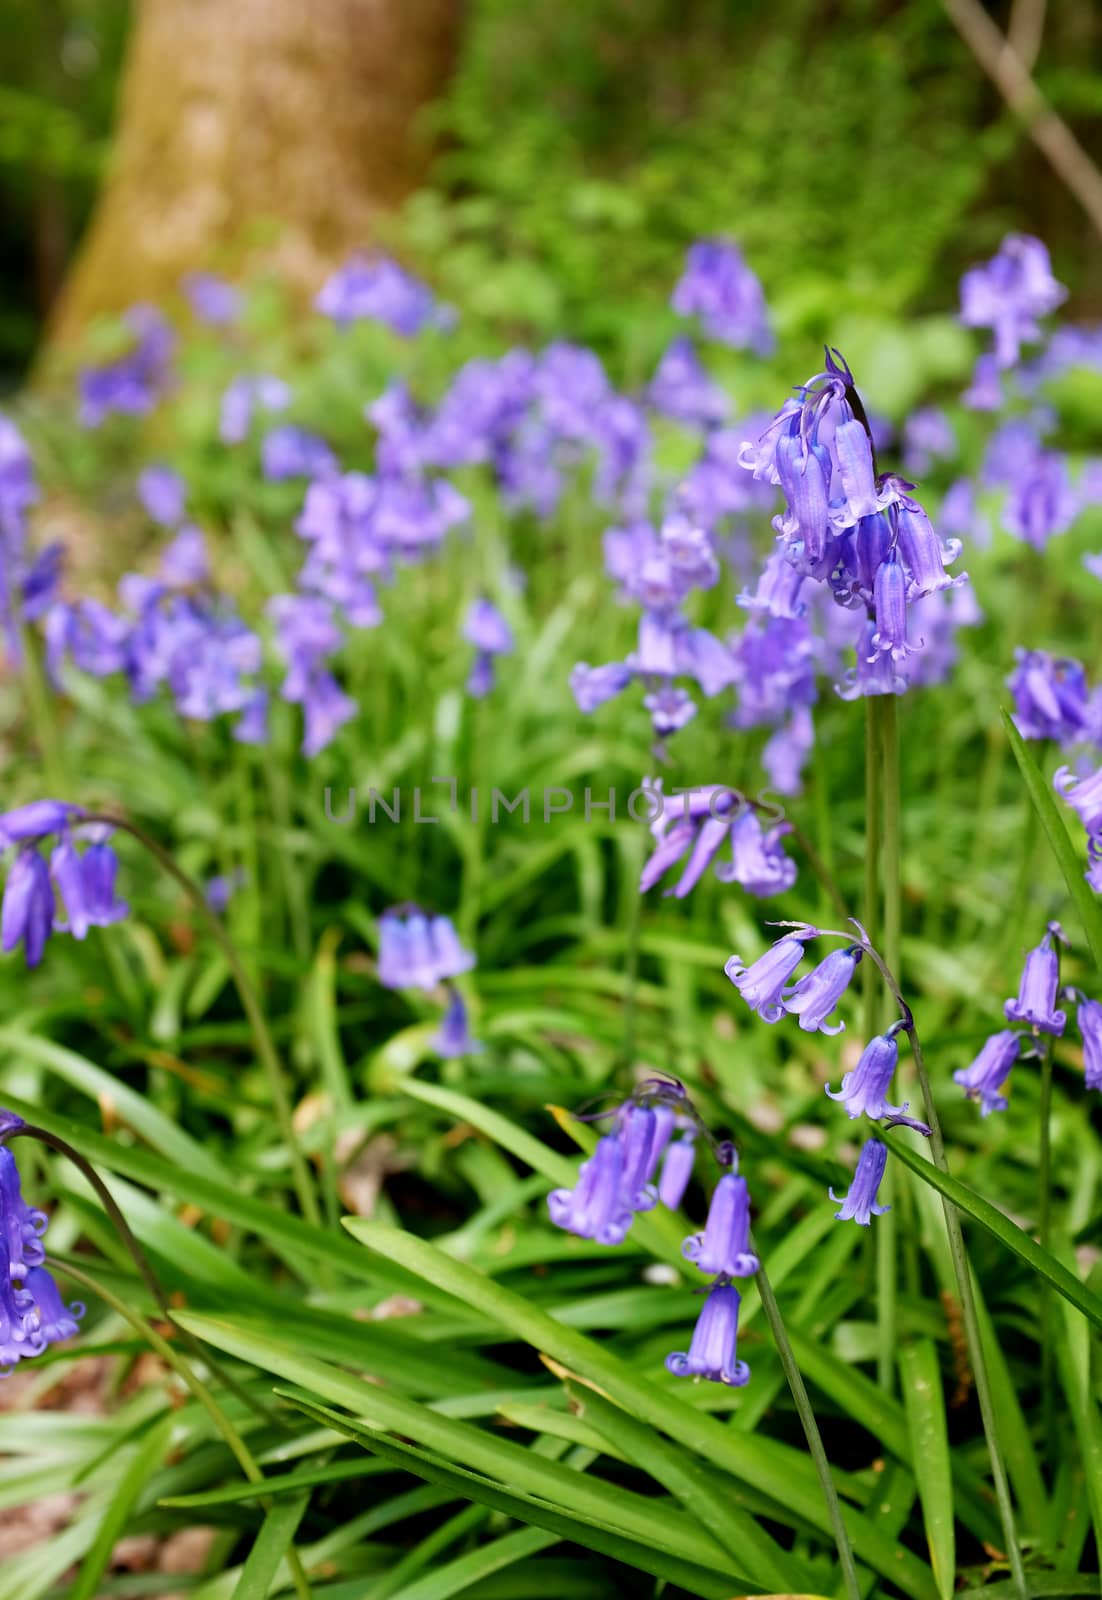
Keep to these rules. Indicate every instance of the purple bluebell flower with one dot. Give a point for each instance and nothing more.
(35, 820)
(814, 997)
(1088, 1016)
(595, 1207)
(212, 299)
(762, 983)
(184, 563)
(418, 951)
(1051, 698)
(719, 289)
(923, 554)
(1082, 794)
(379, 291)
(890, 637)
(18, 489)
(860, 1204)
(27, 911)
(220, 889)
(20, 1329)
(1008, 293)
(864, 1090)
(758, 864)
(162, 493)
(593, 686)
(786, 752)
(682, 390)
(289, 451)
(87, 885)
(778, 590)
(983, 1079)
(712, 1349)
(724, 1245)
(928, 437)
(960, 514)
(21, 1227)
(1036, 1000)
(1042, 502)
(644, 1131)
(132, 385)
(875, 672)
(453, 1038)
(677, 1169)
(56, 1320)
(670, 710)
(488, 631)
(985, 389)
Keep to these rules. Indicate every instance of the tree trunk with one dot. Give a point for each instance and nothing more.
(258, 133)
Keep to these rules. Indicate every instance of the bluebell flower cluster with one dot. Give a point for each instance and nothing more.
(418, 950)
(132, 385)
(212, 299)
(1008, 294)
(69, 892)
(486, 629)
(767, 987)
(639, 1164)
(725, 296)
(28, 581)
(379, 290)
(692, 828)
(32, 1312)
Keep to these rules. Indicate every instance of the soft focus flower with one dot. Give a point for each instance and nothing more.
(712, 1349)
(212, 299)
(1051, 697)
(864, 1090)
(989, 1071)
(244, 395)
(1089, 1019)
(720, 290)
(1083, 795)
(488, 631)
(724, 1246)
(814, 998)
(27, 912)
(453, 1038)
(681, 388)
(379, 291)
(289, 451)
(1008, 293)
(162, 493)
(418, 951)
(927, 437)
(860, 1204)
(699, 826)
(56, 1320)
(677, 1169)
(35, 820)
(1042, 502)
(133, 384)
(1036, 1000)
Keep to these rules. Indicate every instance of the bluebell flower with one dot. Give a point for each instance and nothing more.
(132, 385)
(814, 997)
(87, 885)
(1008, 293)
(593, 686)
(890, 593)
(864, 1089)
(21, 1228)
(724, 1245)
(27, 911)
(1041, 502)
(418, 951)
(289, 451)
(762, 983)
(1036, 999)
(720, 290)
(985, 390)
(488, 631)
(758, 864)
(595, 1208)
(786, 751)
(453, 1039)
(380, 291)
(162, 493)
(35, 820)
(989, 1071)
(923, 553)
(778, 589)
(681, 388)
(860, 1204)
(212, 299)
(1084, 795)
(1051, 697)
(700, 825)
(876, 672)
(244, 395)
(20, 1328)
(677, 1169)
(670, 710)
(220, 889)
(712, 1350)
(928, 437)
(644, 1131)
(56, 1320)
(1089, 1018)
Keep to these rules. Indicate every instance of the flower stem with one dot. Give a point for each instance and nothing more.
(262, 1038)
(183, 1369)
(1044, 1233)
(871, 910)
(962, 1273)
(811, 1432)
(43, 712)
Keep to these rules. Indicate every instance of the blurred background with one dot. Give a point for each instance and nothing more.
(543, 166)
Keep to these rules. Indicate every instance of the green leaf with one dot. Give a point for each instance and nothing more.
(925, 1406)
(467, 1569)
(271, 1544)
(782, 1473)
(1052, 821)
(1007, 1232)
(134, 1481)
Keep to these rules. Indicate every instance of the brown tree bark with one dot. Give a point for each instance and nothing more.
(258, 133)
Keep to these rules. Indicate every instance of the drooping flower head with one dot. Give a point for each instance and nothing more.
(712, 1351)
(762, 983)
(453, 1039)
(1009, 293)
(1051, 697)
(212, 299)
(814, 997)
(724, 1245)
(31, 1313)
(1089, 1019)
(379, 291)
(719, 289)
(1036, 999)
(860, 1204)
(983, 1080)
(864, 1090)
(418, 950)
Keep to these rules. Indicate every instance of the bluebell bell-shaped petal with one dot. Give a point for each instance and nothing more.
(804, 472)
(860, 1204)
(481, 678)
(890, 599)
(762, 983)
(35, 820)
(592, 686)
(643, 1136)
(758, 863)
(1051, 698)
(1036, 999)
(487, 629)
(724, 1246)
(162, 493)
(712, 1351)
(212, 299)
(855, 475)
(1089, 1018)
(595, 1207)
(20, 1332)
(670, 709)
(56, 1320)
(786, 752)
(1084, 795)
(779, 588)
(453, 1038)
(864, 1090)
(27, 912)
(922, 552)
(677, 1169)
(814, 998)
(21, 1227)
(985, 1077)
